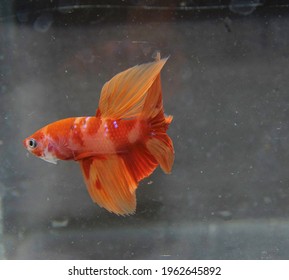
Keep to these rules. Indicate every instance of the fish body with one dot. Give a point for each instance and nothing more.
(80, 137)
(122, 144)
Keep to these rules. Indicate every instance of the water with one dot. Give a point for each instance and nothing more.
(226, 86)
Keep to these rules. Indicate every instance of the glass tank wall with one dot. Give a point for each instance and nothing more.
(226, 84)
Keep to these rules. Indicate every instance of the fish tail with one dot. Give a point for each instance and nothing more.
(159, 143)
(112, 180)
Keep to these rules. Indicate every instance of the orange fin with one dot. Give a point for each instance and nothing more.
(161, 147)
(168, 119)
(160, 144)
(153, 102)
(124, 95)
(88, 155)
(110, 184)
(139, 161)
(112, 181)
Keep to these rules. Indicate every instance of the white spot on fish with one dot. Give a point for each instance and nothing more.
(47, 156)
(105, 129)
(134, 133)
(115, 124)
(85, 122)
(73, 128)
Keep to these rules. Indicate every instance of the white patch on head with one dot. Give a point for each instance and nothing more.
(50, 159)
(48, 156)
(134, 134)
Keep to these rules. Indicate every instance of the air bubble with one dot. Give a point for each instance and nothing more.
(244, 7)
(43, 23)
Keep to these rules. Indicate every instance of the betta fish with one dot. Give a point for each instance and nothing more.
(122, 144)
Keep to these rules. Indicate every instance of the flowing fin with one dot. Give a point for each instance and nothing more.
(110, 184)
(140, 161)
(162, 149)
(160, 145)
(88, 155)
(153, 103)
(112, 181)
(125, 94)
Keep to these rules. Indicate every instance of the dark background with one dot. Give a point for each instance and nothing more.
(226, 84)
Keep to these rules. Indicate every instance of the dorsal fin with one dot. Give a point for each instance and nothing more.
(124, 95)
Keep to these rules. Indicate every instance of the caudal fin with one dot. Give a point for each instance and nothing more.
(159, 144)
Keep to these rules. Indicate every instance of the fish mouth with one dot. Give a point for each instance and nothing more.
(24, 142)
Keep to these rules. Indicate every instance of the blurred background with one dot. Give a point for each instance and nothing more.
(226, 84)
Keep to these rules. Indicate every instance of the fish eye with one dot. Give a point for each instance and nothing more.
(32, 143)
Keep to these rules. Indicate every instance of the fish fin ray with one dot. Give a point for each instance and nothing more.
(125, 94)
(161, 147)
(88, 154)
(110, 183)
(153, 103)
(160, 144)
(140, 161)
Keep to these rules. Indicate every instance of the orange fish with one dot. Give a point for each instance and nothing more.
(122, 144)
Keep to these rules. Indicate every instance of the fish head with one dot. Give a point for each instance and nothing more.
(40, 145)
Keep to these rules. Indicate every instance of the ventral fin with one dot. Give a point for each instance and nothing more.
(110, 183)
(112, 180)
